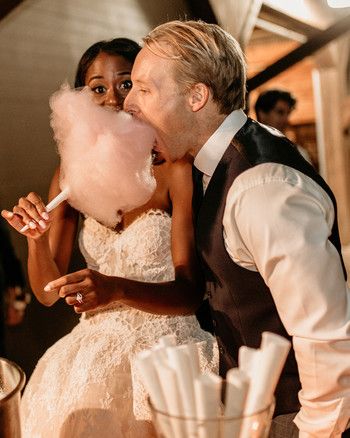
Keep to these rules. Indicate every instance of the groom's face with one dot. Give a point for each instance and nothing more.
(158, 99)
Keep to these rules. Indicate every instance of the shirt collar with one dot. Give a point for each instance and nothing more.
(212, 151)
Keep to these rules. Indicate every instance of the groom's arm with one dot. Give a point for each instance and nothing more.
(280, 225)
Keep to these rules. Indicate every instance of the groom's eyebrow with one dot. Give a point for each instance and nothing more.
(119, 73)
(139, 82)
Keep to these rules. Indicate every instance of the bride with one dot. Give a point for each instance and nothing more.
(140, 283)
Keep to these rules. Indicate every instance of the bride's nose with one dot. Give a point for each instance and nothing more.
(113, 99)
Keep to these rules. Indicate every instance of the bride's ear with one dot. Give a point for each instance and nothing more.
(198, 96)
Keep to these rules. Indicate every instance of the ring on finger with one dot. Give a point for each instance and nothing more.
(79, 297)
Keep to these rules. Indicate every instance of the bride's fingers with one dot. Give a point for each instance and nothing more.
(26, 218)
(80, 308)
(14, 219)
(39, 205)
(70, 289)
(17, 223)
(65, 280)
(8, 215)
(31, 210)
(11, 218)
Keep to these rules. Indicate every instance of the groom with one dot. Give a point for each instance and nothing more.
(266, 227)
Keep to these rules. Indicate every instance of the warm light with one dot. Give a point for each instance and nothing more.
(339, 3)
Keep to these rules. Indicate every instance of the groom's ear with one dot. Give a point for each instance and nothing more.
(198, 96)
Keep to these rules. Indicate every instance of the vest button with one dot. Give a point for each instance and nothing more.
(208, 294)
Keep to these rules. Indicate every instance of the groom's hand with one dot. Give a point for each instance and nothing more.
(85, 290)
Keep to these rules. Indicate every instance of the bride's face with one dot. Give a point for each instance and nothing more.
(109, 79)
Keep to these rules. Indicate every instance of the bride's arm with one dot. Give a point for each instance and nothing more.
(49, 248)
(181, 296)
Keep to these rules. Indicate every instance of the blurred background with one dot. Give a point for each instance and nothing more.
(302, 46)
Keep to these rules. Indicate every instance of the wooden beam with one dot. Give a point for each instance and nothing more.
(280, 30)
(278, 17)
(312, 45)
(6, 6)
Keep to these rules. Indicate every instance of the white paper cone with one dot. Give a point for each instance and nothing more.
(145, 365)
(149, 376)
(268, 365)
(246, 359)
(169, 383)
(179, 359)
(237, 385)
(208, 401)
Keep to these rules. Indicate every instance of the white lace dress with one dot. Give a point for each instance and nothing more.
(85, 385)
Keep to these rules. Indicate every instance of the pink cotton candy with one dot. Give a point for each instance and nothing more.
(105, 156)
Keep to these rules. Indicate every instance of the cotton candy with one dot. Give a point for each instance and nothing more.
(105, 155)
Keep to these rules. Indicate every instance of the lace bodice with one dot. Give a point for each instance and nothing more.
(140, 252)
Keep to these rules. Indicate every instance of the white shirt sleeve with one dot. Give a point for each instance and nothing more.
(278, 221)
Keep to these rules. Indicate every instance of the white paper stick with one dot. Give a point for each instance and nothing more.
(179, 360)
(266, 373)
(159, 353)
(246, 359)
(169, 384)
(276, 349)
(268, 338)
(237, 385)
(208, 400)
(52, 204)
(268, 366)
(149, 376)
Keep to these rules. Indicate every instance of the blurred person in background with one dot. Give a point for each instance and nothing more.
(273, 108)
(13, 300)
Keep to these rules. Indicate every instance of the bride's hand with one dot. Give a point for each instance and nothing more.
(29, 211)
(85, 290)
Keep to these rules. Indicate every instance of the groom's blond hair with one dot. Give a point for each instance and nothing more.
(203, 53)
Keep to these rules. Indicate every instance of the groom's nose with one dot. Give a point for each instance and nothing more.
(129, 103)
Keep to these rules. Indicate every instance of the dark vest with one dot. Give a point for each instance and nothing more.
(241, 304)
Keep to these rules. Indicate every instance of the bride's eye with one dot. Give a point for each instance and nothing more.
(99, 89)
(126, 85)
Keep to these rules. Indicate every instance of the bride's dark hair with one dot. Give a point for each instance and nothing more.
(124, 47)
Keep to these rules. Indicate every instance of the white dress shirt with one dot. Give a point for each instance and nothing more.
(277, 221)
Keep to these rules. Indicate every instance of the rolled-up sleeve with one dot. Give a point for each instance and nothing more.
(278, 221)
